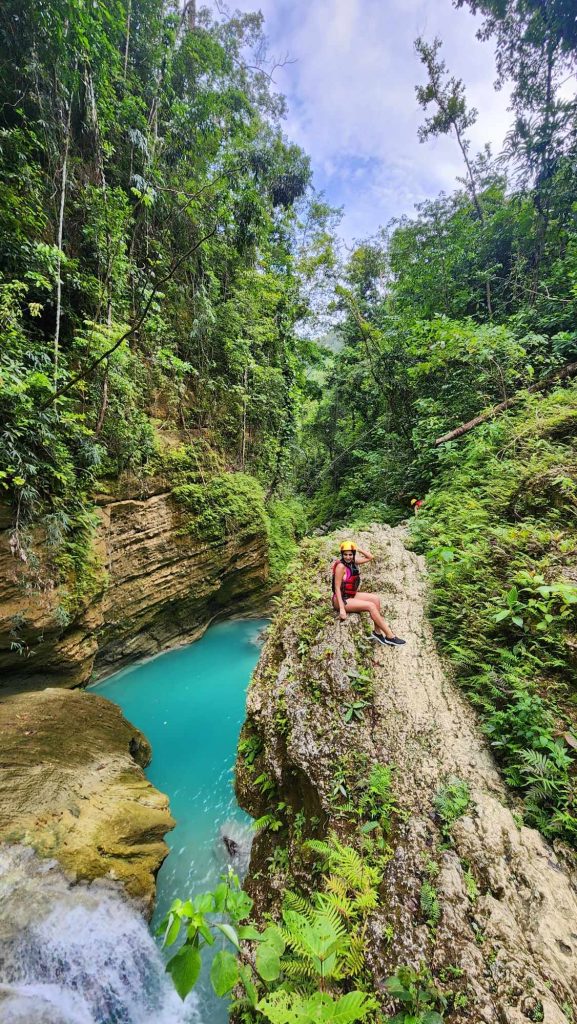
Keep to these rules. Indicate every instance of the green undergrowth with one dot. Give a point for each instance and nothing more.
(225, 504)
(306, 966)
(500, 533)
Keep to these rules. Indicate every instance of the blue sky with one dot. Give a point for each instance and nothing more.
(352, 104)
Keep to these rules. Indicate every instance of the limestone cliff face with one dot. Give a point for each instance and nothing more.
(152, 586)
(507, 906)
(72, 786)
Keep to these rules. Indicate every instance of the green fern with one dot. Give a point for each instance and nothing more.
(380, 780)
(320, 1008)
(346, 862)
(340, 901)
(354, 958)
(295, 901)
(316, 939)
(298, 970)
(430, 905)
(451, 802)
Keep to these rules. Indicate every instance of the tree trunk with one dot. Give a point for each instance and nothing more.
(570, 370)
(127, 44)
(64, 178)
(103, 405)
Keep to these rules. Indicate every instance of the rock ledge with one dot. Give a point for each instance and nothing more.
(72, 786)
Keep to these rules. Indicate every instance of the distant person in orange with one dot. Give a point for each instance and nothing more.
(348, 598)
(417, 504)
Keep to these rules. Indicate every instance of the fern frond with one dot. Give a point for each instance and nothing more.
(380, 780)
(354, 961)
(367, 900)
(539, 764)
(294, 901)
(298, 969)
(337, 885)
(318, 846)
(342, 904)
(430, 905)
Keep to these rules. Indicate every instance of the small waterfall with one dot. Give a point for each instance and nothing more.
(77, 954)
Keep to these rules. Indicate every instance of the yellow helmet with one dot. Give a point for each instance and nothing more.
(348, 545)
(413, 501)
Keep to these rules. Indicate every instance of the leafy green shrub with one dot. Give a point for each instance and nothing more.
(287, 523)
(422, 1000)
(299, 963)
(498, 529)
(224, 505)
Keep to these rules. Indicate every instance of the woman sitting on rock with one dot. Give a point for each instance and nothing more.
(348, 598)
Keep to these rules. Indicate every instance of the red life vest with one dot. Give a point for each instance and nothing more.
(351, 580)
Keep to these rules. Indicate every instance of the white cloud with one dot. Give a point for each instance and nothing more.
(352, 103)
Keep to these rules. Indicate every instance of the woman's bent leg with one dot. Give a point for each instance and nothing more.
(357, 604)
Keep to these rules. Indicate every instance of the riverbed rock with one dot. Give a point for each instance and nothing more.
(151, 584)
(72, 786)
(507, 901)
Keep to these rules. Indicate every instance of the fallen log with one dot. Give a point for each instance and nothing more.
(569, 370)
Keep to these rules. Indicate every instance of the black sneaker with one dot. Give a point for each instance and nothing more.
(379, 638)
(393, 641)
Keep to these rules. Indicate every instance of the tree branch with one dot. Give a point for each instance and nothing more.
(564, 373)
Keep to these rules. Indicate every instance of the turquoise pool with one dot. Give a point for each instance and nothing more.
(190, 704)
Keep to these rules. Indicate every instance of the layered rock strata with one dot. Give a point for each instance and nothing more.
(152, 585)
(72, 786)
(508, 906)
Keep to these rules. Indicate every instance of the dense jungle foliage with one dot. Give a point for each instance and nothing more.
(154, 258)
(469, 305)
(162, 255)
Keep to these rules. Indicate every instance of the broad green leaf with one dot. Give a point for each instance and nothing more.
(273, 937)
(396, 988)
(239, 904)
(224, 972)
(267, 962)
(184, 969)
(206, 932)
(248, 983)
(248, 931)
(204, 903)
(230, 933)
(172, 930)
(220, 895)
(369, 826)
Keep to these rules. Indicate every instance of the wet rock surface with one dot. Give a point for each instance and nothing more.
(72, 786)
(508, 905)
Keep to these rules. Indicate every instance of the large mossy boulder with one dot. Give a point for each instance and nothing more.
(72, 786)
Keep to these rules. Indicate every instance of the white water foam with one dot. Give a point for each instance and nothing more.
(77, 954)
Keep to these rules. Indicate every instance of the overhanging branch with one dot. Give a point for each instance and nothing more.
(570, 370)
